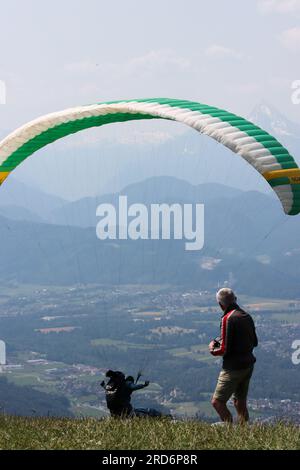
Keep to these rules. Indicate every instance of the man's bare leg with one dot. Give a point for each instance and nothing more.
(222, 410)
(242, 410)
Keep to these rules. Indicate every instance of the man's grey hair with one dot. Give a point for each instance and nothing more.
(226, 297)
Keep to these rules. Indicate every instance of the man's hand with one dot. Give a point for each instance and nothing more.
(146, 383)
(211, 345)
(102, 383)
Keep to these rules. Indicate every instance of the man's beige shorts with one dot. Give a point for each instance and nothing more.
(233, 382)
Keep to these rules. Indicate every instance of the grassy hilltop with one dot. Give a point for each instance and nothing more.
(109, 434)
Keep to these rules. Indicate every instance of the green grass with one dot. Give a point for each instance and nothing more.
(87, 411)
(291, 317)
(122, 345)
(25, 379)
(110, 434)
(195, 352)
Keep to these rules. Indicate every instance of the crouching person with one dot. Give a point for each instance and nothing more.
(118, 391)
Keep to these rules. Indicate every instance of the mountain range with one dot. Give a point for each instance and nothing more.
(249, 242)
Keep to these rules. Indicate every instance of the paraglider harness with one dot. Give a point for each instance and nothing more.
(117, 394)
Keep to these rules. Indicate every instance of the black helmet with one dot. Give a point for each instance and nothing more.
(109, 373)
(115, 374)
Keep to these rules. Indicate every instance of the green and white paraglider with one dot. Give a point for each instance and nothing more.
(256, 146)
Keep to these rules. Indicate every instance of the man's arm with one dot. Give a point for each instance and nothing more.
(133, 387)
(226, 337)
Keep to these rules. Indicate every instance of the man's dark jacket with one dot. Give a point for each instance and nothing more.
(237, 340)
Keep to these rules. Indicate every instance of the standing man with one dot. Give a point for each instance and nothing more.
(235, 345)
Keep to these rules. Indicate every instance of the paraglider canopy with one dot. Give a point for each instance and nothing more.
(257, 147)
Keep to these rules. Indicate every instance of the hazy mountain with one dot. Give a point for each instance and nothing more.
(161, 189)
(249, 243)
(19, 213)
(22, 201)
(272, 120)
(248, 240)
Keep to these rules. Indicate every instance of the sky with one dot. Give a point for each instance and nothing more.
(231, 54)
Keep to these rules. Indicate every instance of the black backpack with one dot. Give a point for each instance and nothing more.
(116, 391)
